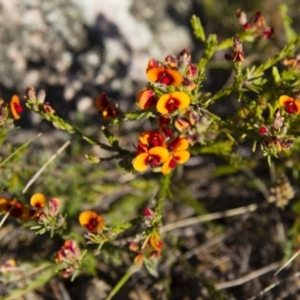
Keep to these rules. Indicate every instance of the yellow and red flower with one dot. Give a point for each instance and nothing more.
(105, 107)
(69, 257)
(146, 99)
(38, 200)
(91, 220)
(3, 205)
(155, 241)
(179, 155)
(291, 105)
(150, 139)
(168, 103)
(164, 75)
(152, 158)
(17, 210)
(15, 107)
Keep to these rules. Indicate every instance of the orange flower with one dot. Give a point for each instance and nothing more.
(179, 155)
(3, 205)
(152, 158)
(155, 241)
(38, 200)
(168, 103)
(105, 108)
(91, 220)
(17, 210)
(151, 139)
(15, 106)
(164, 75)
(146, 99)
(291, 105)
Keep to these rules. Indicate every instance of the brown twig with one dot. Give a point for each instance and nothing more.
(249, 277)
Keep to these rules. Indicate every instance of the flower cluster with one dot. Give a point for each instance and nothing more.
(256, 24)
(150, 247)
(174, 80)
(46, 214)
(194, 126)
(69, 257)
(275, 137)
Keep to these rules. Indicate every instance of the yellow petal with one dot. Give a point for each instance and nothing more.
(38, 200)
(140, 162)
(181, 156)
(166, 169)
(183, 98)
(284, 98)
(161, 153)
(162, 103)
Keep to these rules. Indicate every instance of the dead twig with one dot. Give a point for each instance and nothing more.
(249, 277)
(271, 286)
(41, 170)
(209, 217)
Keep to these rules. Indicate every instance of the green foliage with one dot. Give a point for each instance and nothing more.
(124, 210)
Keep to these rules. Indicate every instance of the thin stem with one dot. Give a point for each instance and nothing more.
(19, 149)
(6, 216)
(41, 170)
(162, 194)
(123, 280)
(209, 217)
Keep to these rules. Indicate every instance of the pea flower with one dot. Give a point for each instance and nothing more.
(91, 220)
(151, 158)
(291, 105)
(179, 154)
(16, 107)
(168, 103)
(150, 139)
(164, 75)
(146, 99)
(69, 257)
(105, 107)
(15, 208)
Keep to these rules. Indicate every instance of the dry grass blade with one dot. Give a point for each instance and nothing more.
(209, 217)
(288, 262)
(19, 149)
(244, 279)
(41, 170)
(271, 286)
(6, 216)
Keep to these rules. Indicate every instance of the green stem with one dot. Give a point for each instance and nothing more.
(123, 280)
(162, 194)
